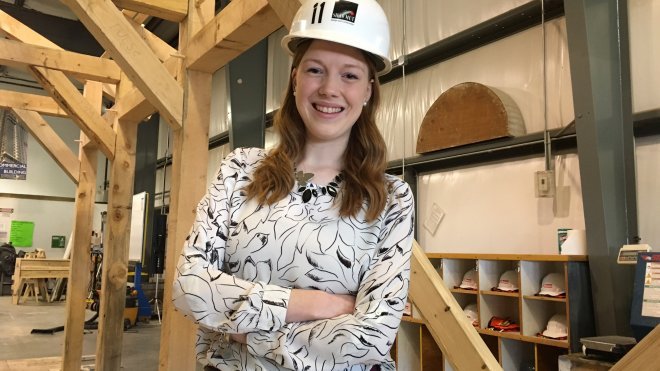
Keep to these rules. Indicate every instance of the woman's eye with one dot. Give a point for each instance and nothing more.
(314, 70)
(351, 76)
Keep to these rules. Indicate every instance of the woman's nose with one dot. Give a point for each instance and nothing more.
(329, 86)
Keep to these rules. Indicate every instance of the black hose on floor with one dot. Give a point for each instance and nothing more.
(90, 324)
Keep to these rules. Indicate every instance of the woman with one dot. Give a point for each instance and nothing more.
(299, 257)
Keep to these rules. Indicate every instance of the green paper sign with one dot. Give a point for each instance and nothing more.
(57, 242)
(21, 233)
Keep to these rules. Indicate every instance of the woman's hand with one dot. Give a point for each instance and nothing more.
(308, 305)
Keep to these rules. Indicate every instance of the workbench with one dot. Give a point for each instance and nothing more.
(36, 271)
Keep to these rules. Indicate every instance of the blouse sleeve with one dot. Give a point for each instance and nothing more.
(366, 336)
(201, 290)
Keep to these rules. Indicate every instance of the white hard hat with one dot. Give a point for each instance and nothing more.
(470, 311)
(469, 280)
(553, 285)
(556, 327)
(508, 281)
(358, 23)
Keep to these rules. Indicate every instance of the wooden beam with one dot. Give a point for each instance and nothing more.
(171, 10)
(39, 364)
(285, 10)
(31, 102)
(79, 274)
(189, 167)
(161, 49)
(79, 109)
(134, 106)
(459, 341)
(16, 30)
(642, 355)
(136, 17)
(115, 252)
(133, 55)
(81, 66)
(239, 26)
(48, 138)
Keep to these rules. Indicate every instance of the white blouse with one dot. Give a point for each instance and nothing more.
(241, 261)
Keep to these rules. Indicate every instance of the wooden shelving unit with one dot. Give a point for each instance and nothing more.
(514, 350)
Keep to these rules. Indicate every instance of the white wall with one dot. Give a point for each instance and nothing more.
(491, 207)
(648, 190)
(50, 218)
(46, 178)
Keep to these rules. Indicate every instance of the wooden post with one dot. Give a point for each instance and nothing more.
(79, 274)
(642, 355)
(459, 341)
(189, 166)
(116, 242)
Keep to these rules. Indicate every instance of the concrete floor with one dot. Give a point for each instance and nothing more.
(140, 343)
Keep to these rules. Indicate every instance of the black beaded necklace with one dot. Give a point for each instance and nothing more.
(310, 189)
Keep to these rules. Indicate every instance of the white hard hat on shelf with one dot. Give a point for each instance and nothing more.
(553, 285)
(508, 281)
(469, 280)
(358, 23)
(470, 311)
(556, 327)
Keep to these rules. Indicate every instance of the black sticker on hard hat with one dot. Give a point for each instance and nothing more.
(345, 11)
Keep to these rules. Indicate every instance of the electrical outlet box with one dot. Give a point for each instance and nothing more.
(544, 182)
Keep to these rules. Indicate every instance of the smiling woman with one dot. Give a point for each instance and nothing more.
(299, 258)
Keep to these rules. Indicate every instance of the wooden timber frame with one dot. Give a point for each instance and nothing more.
(146, 75)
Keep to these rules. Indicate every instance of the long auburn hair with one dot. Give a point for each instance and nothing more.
(364, 157)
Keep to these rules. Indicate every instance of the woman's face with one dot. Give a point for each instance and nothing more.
(332, 84)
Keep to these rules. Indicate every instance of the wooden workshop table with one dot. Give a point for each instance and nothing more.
(37, 270)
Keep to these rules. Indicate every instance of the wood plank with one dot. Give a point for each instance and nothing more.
(459, 341)
(545, 341)
(139, 18)
(37, 364)
(80, 275)
(80, 110)
(113, 31)
(285, 10)
(46, 273)
(115, 253)
(82, 66)
(161, 49)
(16, 30)
(500, 293)
(643, 354)
(52, 143)
(171, 10)
(545, 298)
(239, 26)
(529, 257)
(134, 106)
(412, 320)
(31, 102)
(37, 263)
(190, 148)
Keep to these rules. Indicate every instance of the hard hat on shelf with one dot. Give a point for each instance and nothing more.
(553, 285)
(508, 281)
(469, 281)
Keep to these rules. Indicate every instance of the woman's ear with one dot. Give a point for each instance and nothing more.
(369, 90)
(294, 72)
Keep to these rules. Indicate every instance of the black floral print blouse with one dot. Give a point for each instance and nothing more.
(241, 260)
